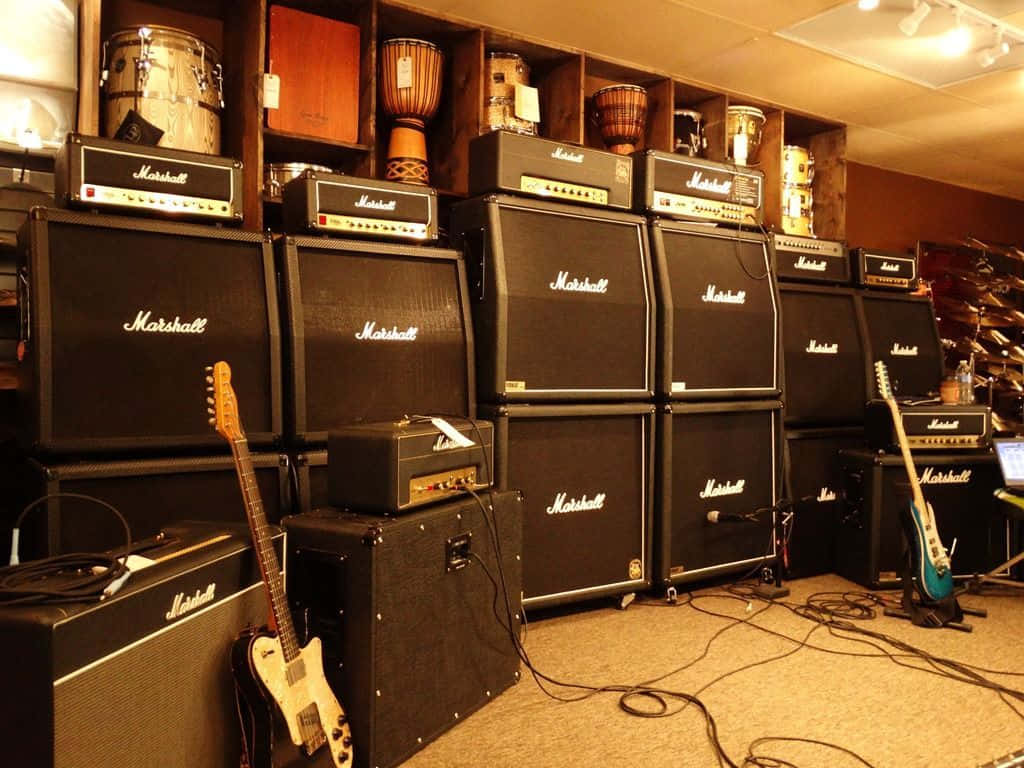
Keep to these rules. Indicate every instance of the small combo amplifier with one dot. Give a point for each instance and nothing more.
(106, 174)
(392, 467)
(810, 260)
(695, 189)
(884, 269)
(929, 427)
(501, 161)
(405, 609)
(357, 207)
(101, 684)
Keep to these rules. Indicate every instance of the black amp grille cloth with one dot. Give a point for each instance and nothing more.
(168, 700)
(709, 451)
(720, 345)
(561, 339)
(824, 359)
(351, 380)
(566, 459)
(109, 381)
(907, 327)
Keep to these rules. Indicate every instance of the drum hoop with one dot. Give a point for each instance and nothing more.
(623, 87)
(742, 109)
(132, 38)
(163, 97)
(273, 167)
(688, 113)
(796, 146)
(505, 101)
(414, 41)
(504, 55)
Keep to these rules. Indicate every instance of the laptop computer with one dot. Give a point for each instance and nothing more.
(1010, 451)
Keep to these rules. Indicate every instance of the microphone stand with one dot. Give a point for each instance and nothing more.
(767, 590)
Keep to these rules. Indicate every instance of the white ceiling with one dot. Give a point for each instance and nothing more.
(970, 134)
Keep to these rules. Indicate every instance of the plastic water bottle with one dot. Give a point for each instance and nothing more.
(965, 383)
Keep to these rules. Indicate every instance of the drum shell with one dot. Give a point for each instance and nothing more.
(421, 100)
(503, 72)
(797, 165)
(170, 96)
(620, 112)
(797, 210)
(499, 115)
(276, 175)
(746, 120)
(688, 126)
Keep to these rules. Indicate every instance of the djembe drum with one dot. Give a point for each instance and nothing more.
(410, 89)
(620, 112)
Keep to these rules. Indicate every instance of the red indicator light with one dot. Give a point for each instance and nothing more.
(322, 219)
(90, 192)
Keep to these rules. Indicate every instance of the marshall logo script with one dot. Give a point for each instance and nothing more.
(561, 153)
(901, 350)
(714, 296)
(377, 205)
(714, 489)
(183, 605)
(563, 505)
(810, 266)
(146, 173)
(826, 494)
(940, 424)
(697, 181)
(563, 283)
(949, 477)
(888, 266)
(817, 348)
(143, 324)
(370, 332)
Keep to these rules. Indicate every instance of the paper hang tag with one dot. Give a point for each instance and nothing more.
(271, 91)
(453, 434)
(739, 148)
(527, 103)
(404, 72)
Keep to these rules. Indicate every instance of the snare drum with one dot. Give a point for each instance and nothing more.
(500, 115)
(276, 175)
(797, 210)
(171, 78)
(504, 71)
(797, 165)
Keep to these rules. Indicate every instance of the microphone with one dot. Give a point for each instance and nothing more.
(714, 516)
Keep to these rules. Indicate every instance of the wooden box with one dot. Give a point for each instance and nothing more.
(317, 60)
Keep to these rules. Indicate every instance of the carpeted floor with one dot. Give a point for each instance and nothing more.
(894, 715)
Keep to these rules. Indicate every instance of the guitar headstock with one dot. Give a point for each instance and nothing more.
(882, 376)
(222, 405)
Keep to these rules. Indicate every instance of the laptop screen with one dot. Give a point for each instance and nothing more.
(1011, 460)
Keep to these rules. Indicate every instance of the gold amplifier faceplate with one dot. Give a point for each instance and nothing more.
(563, 189)
(922, 442)
(357, 225)
(440, 484)
(702, 208)
(95, 194)
(902, 282)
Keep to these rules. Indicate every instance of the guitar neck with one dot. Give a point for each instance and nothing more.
(263, 543)
(908, 460)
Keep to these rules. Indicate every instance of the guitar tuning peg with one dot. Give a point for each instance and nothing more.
(208, 369)
(209, 379)
(213, 422)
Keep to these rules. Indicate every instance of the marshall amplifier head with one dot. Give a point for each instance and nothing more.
(810, 260)
(719, 458)
(393, 467)
(929, 427)
(155, 653)
(375, 332)
(501, 161)
(563, 301)
(118, 176)
(718, 317)
(901, 331)
(884, 269)
(695, 189)
(355, 207)
(122, 313)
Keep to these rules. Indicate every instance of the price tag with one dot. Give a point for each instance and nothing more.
(453, 434)
(794, 206)
(739, 148)
(271, 91)
(527, 103)
(404, 71)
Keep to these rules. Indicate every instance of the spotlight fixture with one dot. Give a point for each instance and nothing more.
(987, 56)
(910, 23)
(957, 41)
(867, 5)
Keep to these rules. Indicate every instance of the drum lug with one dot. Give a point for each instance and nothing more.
(218, 72)
(201, 79)
(104, 71)
(143, 63)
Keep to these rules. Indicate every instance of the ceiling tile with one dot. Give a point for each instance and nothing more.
(993, 90)
(937, 118)
(767, 16)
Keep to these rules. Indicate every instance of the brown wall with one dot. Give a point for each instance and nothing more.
(890, 210)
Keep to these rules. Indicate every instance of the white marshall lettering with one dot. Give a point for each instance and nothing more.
(370, 332)
(183, 605)
(582, 504)
(697, 181)
(931, 477)
(715, 296)
(817, 348)
(940, 424)
(888, 266)
(377, 205)
(445, 443)
(146, 173)
(827, 494)
(714, 489)
(810, 266)
(563, 283)
(561, 153)
(901, 350)
(143, 324)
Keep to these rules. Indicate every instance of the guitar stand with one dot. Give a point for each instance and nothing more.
(930, 614)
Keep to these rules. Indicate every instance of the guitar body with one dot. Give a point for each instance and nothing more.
(934, 584)
(272, 707)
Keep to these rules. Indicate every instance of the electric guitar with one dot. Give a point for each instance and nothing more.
(931, 563)
(290, 716)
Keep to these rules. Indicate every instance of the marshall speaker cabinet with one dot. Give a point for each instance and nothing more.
(149, 492)
(825, 375)
(562, 300)
(815, 485)
(718, 316)
(406, 604)
(120, 317)
(375, 332)
(959, 487)
(901, 330)
(140, 679)
(585, 472)
(719, 458)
